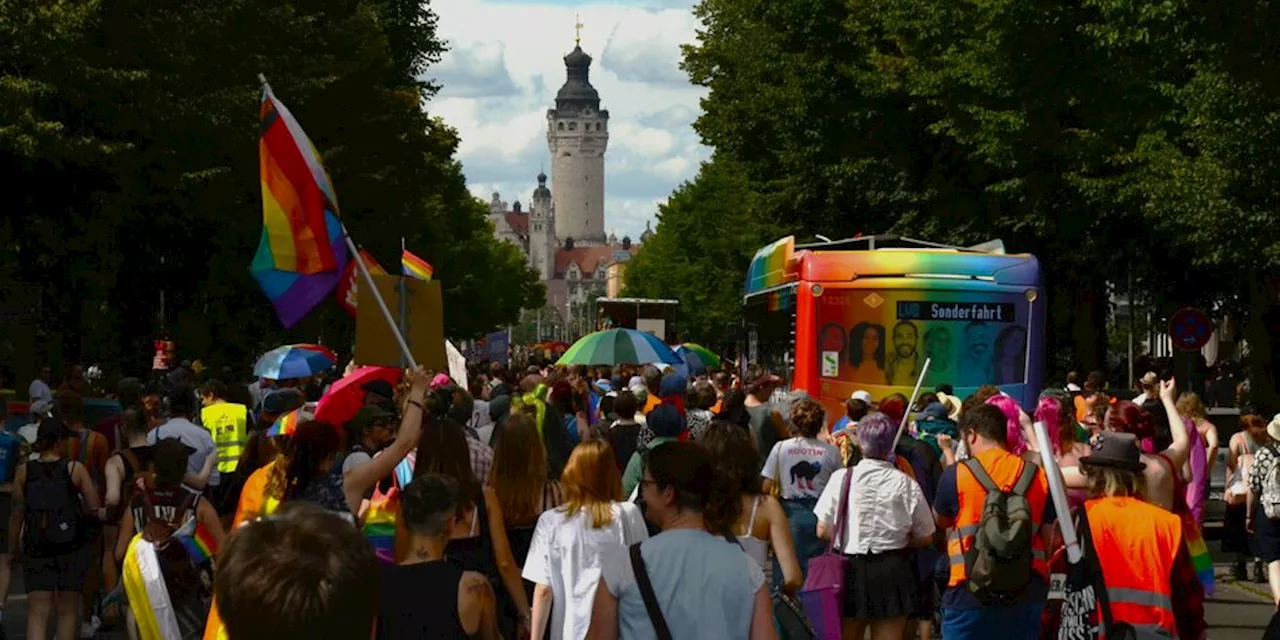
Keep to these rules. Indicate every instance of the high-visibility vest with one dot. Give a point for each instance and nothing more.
(1136, 544)
(228, 423)
(1004, 469)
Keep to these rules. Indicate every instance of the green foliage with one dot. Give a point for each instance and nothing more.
(706, 235)
(128, 131)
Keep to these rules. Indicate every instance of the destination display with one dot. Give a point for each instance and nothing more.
(957, 311)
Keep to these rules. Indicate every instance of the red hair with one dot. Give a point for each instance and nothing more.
(1126, 417)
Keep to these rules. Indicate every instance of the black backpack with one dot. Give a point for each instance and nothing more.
(52, 518)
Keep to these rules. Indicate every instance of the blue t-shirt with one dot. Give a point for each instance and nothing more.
(947, 504)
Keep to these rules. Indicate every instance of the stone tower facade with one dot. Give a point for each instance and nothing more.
(577, 136)
(542, 231)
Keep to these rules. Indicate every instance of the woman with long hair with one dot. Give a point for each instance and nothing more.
(519, 479)
(763, 524)
(478, 541)
(799, 468)
(1058, 422)
(572, 541)
(1241, 449)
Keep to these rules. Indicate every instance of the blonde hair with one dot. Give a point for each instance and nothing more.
(1190, 406)
(1110, 482)
(591, 482)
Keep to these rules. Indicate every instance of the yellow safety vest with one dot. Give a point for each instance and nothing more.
(228, 423)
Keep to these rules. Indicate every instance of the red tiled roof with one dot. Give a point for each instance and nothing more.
(588, 259)
(518, 222)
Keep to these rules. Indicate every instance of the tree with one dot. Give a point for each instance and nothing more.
(693, 258)
(130, 138)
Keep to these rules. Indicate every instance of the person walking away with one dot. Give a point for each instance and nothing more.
(1241, 452)
(701, 397)
(886, 516)
(667, 425)
(91, 450)
(1008, 601)
(1191, 408)
(48, 521)
(1149, 580)
(693, 582)
(519, 479)
(302, 573)
(425, 596)
(571, 542)
(228, 425)
(799, 469)
(122, 467)
(623, 435)
(766, 425)
(1264, 505)
(182, 407)
(161, 509)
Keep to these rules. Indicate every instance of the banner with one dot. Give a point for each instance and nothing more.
(497, 345)
(348, 287)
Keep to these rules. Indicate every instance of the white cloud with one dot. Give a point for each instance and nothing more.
(505, 65)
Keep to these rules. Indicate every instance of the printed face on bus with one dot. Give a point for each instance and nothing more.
(937, 344)
(905, 337)
(870, 344)
(977, 337)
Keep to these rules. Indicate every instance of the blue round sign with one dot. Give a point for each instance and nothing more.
(1190, 329)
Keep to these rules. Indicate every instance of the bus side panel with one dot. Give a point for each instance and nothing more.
(806, 365)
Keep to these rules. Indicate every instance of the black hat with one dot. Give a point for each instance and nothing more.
(373, 415)
(1116, 450)
(380, 387)
(171, 449)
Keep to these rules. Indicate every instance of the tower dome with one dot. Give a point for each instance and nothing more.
(577, 93)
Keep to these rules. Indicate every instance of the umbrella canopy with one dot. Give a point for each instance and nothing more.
(287, 424)
(619, 346)
(703, 354)
(346, 396)
(294, 361)
(692, 364)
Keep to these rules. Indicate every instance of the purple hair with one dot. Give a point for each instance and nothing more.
(875, 435)
(1013, 428)
(1049, 411)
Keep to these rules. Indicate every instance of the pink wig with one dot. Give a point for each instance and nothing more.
(1049, 411)
(1013, 429)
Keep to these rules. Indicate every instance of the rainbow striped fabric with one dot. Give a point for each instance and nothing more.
(286, 424)
(415, 267)
(200, 545)
(302, 253)
(380, 519)
(1199, 552)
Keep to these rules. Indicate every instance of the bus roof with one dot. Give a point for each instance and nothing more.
(638, 300)
(780, 263)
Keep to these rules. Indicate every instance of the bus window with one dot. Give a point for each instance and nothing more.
(770, 332)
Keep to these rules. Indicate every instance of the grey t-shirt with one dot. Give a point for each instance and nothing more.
(355, 459)
(193, 436)
(704, 584)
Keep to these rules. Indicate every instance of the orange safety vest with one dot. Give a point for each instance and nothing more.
(1136, 544)
(1004, 469)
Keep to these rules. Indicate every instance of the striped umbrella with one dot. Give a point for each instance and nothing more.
(294, 361)
(287, 424)
(703, 354)
(619, 346)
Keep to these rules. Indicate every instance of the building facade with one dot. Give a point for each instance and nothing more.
(562, 232)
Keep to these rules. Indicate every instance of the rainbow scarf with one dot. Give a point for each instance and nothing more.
(380, 518)
(536, 400)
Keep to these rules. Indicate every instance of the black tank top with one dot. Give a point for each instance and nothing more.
(421, 601)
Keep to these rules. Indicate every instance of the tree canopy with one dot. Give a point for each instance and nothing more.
(128, 132)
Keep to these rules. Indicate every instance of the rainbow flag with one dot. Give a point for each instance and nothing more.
(415, 267)
(1199, 553)
(200, 545)
(302, 252)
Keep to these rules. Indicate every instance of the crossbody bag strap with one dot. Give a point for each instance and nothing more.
(981, 475)
(646, 593)
(840, 534)
(1029, 470)
(1090, 556)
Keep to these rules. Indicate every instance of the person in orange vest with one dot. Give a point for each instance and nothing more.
(1150, 580)
(958, 507)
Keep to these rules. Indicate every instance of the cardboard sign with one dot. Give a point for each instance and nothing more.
(424, 324)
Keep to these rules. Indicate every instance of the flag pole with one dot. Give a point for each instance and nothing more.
(902, 426)
(382, 304)
(404, 298)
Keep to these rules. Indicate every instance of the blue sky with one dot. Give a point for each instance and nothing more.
(505, 65)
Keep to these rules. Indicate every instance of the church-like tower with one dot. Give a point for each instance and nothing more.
(577, 136)
(542, 238)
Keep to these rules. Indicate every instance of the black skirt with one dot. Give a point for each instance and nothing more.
(880, 586)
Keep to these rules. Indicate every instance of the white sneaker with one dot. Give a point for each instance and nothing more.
(89, 628)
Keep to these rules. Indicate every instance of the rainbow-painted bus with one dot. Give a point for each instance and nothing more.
(832, 321)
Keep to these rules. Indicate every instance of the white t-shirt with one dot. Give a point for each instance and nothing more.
(802, 466)
(886, 508)
(567, 554)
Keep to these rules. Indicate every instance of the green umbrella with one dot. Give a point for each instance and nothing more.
(619, 346)
(703, 354)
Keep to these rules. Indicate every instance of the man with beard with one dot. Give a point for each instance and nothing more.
(904, 363)
(975, 359)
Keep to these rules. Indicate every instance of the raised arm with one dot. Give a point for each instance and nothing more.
(1180, 449)
(362, 478)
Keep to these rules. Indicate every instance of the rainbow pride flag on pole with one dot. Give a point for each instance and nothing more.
(302, 253)
(415, 267)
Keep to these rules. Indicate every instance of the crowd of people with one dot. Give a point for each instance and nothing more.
(593, 502)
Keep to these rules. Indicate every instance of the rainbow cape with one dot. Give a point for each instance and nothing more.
(1199, 553)
(415, 267)
(302, 252)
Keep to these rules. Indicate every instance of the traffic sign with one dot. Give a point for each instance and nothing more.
(1190, 329)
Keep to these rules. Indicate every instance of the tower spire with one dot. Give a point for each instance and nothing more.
(577, 30)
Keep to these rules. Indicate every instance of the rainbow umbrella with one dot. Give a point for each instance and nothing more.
(703, 356)
(619, 346)
(294, 361)
(287, 424)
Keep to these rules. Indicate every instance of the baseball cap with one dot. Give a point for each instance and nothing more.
(373, 415)
(864, 396)
(380, 387)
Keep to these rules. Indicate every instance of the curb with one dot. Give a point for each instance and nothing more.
(1261, 592)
